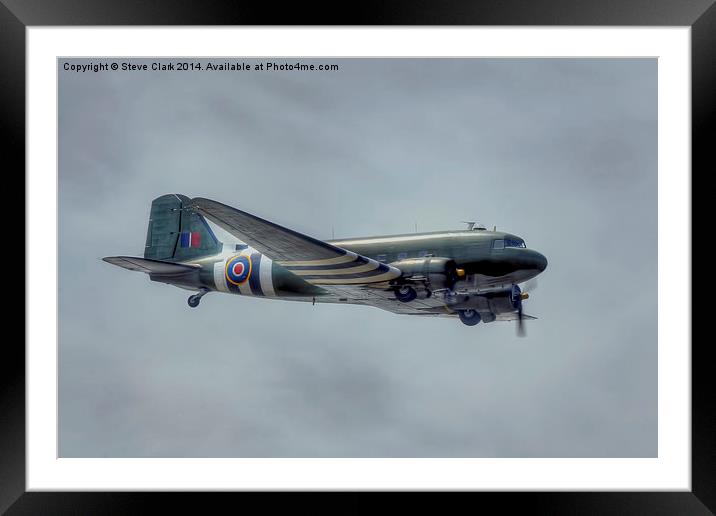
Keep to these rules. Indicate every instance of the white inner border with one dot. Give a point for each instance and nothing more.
(671, 470)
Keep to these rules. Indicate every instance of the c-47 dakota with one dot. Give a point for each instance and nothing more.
(471, 274)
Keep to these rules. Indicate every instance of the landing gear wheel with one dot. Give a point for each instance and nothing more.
(196, 298)
(469, 317)
(405, 294)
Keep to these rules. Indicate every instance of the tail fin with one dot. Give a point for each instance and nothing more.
(178, 233)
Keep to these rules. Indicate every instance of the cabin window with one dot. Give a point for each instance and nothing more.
(498, 244)
(381, 258)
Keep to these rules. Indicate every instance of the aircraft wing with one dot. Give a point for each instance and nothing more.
(512, 316)
(385, 300)
(313, 260)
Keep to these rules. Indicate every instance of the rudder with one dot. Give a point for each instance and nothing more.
(176, 232)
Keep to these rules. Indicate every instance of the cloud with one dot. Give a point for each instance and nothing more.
(559, 151)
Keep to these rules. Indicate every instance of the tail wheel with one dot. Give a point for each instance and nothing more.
(194, 300)
(405, 293)
(469, 317)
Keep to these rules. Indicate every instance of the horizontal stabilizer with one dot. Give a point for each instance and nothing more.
(148, 266)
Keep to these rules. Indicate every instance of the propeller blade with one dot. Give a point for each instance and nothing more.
(518, 295)
(530, 285)
(520, 324)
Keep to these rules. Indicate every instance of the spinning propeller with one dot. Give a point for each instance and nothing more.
(519, 295)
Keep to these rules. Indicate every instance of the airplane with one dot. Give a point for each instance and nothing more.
(471, 274)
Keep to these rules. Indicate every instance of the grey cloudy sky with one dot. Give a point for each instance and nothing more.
(562, 152)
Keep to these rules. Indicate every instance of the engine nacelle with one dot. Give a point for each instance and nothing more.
(490, 304)
(501, 303)
(432, 272)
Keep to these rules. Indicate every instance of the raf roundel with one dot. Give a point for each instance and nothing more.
(238, 269)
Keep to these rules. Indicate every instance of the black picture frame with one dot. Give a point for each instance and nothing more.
(16, 15)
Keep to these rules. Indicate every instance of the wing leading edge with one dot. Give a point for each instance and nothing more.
(315, 261)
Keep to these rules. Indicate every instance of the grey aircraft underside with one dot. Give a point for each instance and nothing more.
(470, 274)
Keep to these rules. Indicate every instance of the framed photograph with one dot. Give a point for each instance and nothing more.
(431, 251)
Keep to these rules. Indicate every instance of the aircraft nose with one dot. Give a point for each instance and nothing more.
(540, 261)
(535, 261)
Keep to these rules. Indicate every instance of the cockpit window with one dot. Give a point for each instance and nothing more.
(508, 242)
(514, 242)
